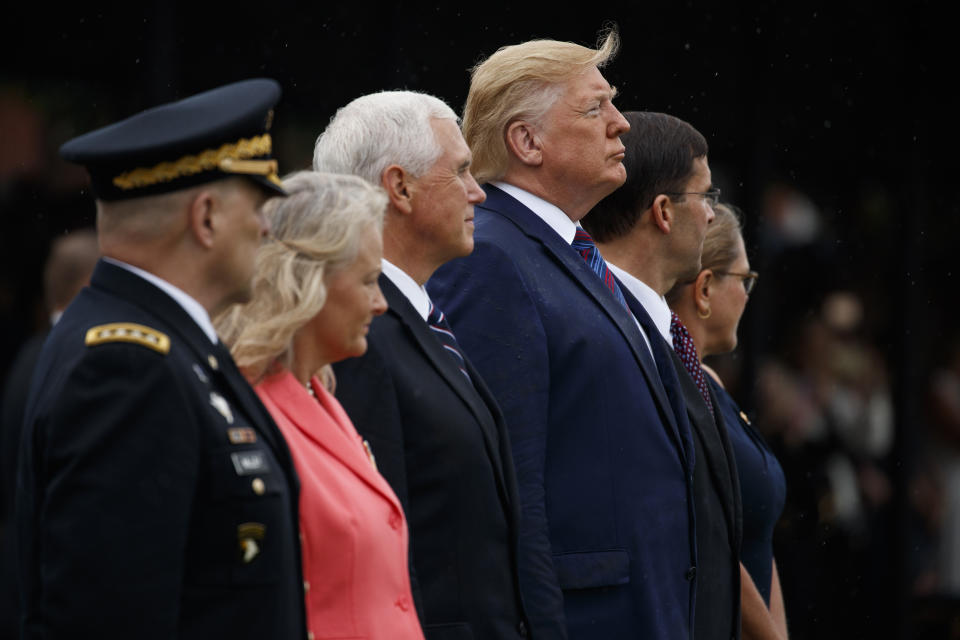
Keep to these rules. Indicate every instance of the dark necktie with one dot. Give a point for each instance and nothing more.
(583, 244)
(438, 325)
(683, 345)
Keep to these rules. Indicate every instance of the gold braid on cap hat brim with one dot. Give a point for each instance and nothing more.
(232, 157)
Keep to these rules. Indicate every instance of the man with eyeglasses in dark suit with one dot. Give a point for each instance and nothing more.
(651, 232)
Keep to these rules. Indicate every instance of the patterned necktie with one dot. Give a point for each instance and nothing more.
(683, 345)
(438, 325)
(583, 244)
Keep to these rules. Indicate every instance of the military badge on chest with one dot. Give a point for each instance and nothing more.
(220, 403)
(249, 538)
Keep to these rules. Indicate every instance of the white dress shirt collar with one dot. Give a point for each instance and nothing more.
(415, 293)
(655, 304)
(193, 308)
(555, 218)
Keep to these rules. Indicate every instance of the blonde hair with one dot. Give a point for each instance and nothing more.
(721, 244)
(521, 82)
(314, 231)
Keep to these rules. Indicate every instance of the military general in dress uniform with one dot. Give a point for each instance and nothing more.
(156, 498)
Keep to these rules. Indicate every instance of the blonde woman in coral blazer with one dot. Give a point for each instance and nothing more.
(315, 293)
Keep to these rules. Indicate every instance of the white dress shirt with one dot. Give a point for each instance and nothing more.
(193, 308)
(555, 218)
(415, 293)
(654, 303)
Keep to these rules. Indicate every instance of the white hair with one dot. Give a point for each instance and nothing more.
(377, 130)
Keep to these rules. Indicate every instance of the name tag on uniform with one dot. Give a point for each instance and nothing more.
(249, 462)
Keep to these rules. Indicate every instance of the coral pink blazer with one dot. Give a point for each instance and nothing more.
(354, 533)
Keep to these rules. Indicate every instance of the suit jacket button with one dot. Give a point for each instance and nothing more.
(691, 573)
(522, 629)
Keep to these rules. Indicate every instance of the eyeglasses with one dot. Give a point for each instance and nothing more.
(712, 196)
(749, 278)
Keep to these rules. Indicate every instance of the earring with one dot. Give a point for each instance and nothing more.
(704, 316)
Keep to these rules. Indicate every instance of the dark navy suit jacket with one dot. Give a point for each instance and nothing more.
(607, 535)
(716, 492)
(156, 496)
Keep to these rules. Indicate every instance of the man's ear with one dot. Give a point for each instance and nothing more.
(399, 185)
(524, 143)
(202, 217)
(703, 292)
(663, 213)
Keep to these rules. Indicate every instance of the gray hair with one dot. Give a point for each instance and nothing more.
(377, 130)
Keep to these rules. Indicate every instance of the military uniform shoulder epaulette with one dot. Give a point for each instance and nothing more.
(128, 332)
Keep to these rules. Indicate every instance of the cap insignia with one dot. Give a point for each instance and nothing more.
(206, 161)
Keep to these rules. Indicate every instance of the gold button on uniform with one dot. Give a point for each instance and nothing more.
(212, 361)
(258, 486)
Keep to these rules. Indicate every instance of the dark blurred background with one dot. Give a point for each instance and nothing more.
(831, 126)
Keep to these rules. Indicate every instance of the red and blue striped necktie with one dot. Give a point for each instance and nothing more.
(584, 245)
(438, 325)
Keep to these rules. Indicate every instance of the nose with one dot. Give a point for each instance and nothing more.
(618, 124)
(711, 214)
(379, 303)
(475, 195)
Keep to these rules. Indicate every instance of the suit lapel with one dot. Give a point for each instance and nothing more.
(215, 359)
(500, 453)
(530, 223)
(667, 382)
(254, 409)
(482, 410)
(314, 421)
(730, 464)
(710, 432)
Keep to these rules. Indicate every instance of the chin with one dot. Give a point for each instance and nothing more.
(613, 182)
(729, 345)
(467, 247)
(621, 175)
(360, 348)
